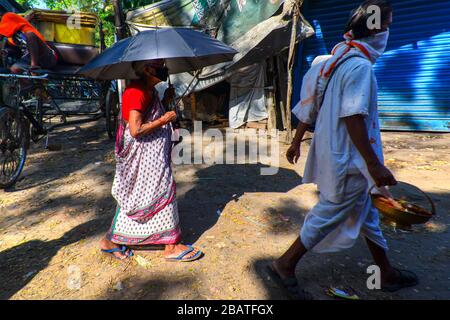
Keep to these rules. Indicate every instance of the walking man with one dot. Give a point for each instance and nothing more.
(339, 95)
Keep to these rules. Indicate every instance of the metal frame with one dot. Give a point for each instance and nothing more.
(43, 113)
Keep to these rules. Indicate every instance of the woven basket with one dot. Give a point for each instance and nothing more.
(410, 215)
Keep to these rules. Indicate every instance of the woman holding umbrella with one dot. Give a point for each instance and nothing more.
(144, 186)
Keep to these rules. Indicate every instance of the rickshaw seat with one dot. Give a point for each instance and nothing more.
(74, 54)
(71, 57)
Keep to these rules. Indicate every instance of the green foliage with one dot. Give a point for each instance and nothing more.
(27, 4)
(133, 4)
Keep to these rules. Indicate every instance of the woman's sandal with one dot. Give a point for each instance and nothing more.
(181, 256)
(289, 285)
(123, 249)
(406, 279)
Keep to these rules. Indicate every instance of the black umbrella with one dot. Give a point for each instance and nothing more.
(183, 50)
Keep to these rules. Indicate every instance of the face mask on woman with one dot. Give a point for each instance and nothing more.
(162, 73)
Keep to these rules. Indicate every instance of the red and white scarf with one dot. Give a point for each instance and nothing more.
(371, 47)
(316, 79)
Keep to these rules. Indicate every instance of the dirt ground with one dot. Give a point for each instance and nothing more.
(52, 220)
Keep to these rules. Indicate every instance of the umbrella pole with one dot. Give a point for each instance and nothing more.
(295, 13)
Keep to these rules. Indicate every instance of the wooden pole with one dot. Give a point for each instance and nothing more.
(102, 36)
(193, 107)
(278, 101)
(295, 16)
(282, 90)
(121, 33)
(270, 96)
(119, 20)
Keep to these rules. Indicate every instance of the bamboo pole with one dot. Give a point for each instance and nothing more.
(295, 16)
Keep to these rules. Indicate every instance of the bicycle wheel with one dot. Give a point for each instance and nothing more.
(14, 139)
(112, 109)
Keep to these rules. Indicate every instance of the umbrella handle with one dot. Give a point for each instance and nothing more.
(174, 107)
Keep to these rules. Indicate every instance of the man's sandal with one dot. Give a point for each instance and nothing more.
(289, 285)
(406, 279)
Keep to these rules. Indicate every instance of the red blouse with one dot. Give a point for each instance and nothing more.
(135, 97)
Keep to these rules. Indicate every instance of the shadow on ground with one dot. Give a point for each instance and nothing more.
(79, 146)
(20, 264)
(155, 288)
(217, 185)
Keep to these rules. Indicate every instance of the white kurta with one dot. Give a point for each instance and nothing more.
(335, 165)
(352, 90)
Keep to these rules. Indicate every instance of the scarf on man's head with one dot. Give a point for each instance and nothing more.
(316, 79)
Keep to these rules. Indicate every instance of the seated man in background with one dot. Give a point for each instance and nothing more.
(35, 52)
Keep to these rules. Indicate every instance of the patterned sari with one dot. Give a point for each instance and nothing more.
(144, 187)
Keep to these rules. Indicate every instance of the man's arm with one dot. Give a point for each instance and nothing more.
(300, 132)
(357, 130)
(293, 153)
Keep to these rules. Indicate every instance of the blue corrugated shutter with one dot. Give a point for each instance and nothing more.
(414, 73)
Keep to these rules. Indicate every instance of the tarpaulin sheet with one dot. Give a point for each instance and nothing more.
(225, 19)
(247, 99)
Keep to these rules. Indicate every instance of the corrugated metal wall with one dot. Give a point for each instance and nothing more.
(414, 73)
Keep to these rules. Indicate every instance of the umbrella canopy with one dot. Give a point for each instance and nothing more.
(183, 50)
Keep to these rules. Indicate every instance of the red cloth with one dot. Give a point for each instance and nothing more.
(12, 23)
(135, 97)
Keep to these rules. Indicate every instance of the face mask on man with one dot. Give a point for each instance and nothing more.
(162, 73)
(378, 41)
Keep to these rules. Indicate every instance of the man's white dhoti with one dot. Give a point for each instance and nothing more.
(331, 227)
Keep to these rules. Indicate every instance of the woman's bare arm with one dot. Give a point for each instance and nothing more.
(138, 128)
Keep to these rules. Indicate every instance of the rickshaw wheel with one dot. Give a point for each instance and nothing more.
(14, 139)
(111, 112)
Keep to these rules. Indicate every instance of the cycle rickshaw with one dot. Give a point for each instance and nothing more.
(34, 104)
